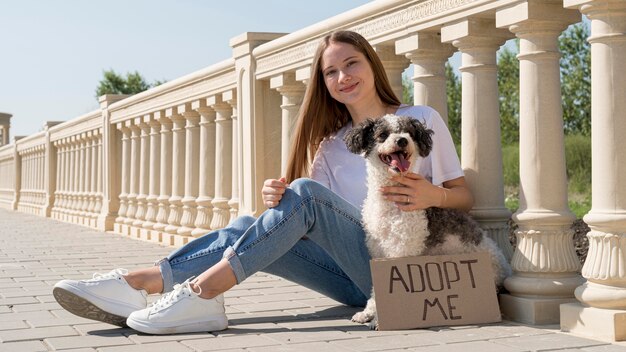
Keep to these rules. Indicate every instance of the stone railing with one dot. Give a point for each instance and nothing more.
(172, 163)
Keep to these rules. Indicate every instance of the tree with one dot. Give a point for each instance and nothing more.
(453, 89)
(576, 79)
(508, 87)
(407, 90)
(113, 83)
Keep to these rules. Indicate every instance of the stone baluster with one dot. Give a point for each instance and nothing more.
(601, 310)
(155, 166)
(428, 56)
(292, 92)
(165, 171)
(192, 151)
(394, 66)
(207, 169)
(178, 171)
(223, 162)
(230, 97)
(545, 264)
(125, 175)
(135, 135)
(478, 40)
(144, 173)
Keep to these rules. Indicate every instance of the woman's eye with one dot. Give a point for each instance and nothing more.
(329, 73)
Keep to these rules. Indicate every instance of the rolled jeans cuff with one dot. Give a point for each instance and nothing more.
(235, 264)
(166, 274)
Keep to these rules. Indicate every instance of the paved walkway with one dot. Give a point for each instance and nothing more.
(266, 313)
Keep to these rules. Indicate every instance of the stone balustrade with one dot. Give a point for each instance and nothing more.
(174, 162)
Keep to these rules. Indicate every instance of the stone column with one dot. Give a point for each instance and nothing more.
(17, 164)
(99, 176)
(108, 180)
(135, 134)
(192, 151)
(144, 173)
(165, 174)
(292, 92)
(545, 264)
(73, 185)
(93, 191)
(80, 205)
(87, 174)
(478, 40)
(206, 189)
(394, 66)
(66, 178)
(155, 166)
(428, 56)
(230, 97)
(223, 162)
(125, 181)
(58, 146)
(601, 310)
(178, 170)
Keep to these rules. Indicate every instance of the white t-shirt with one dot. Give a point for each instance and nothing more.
(344, 173)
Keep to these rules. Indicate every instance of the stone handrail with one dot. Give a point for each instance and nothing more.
(174, 162)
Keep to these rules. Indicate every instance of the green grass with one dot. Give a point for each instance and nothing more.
(578, 163)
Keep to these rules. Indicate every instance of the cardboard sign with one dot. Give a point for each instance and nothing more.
(425, 291)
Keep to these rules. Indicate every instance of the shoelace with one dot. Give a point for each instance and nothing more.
(183, 289)
(113, 274)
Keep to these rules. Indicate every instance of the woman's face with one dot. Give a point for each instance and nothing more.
(348, 75)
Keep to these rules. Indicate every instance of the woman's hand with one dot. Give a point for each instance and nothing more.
(273, 191)
(413, 193)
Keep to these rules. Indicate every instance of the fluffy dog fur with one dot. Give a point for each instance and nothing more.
(399, 144)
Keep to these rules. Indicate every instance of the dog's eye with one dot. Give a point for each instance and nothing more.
(383, 136)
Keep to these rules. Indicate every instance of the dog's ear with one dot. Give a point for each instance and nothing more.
(360, 138)
(422, 137)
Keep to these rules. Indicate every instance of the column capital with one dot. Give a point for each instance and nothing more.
(287, 84)
(244, 43)
(422, 45)
(391, 59)
(303, 74)
(475, 33)
(535, 16)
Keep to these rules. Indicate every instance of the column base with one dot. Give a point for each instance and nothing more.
(603, 324)
(534, 311)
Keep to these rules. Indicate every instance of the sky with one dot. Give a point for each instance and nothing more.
(53, 53)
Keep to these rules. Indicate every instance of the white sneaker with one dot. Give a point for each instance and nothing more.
(181, 311)
(106, 297)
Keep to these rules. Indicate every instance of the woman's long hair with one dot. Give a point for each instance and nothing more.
(321, 115)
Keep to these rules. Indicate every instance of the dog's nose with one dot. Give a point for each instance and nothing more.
(402, 142)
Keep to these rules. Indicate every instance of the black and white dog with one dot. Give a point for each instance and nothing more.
(394, 143)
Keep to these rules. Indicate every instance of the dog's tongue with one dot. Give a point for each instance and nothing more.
(398, 161)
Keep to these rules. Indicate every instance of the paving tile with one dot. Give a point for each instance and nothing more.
(150, 347)
(478, 346)
(60, 343)
(11, 325)
(223, 343)
(144, 339)
(301, 347)
(393, 342)
(36, 333)
(25, 346)
(548, 342)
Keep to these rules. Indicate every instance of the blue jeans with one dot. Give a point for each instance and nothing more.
(332, 259)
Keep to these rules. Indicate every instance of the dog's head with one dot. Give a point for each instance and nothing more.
(391, 141)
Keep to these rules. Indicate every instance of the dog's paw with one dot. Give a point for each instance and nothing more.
(361, 317)
(373, 325)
